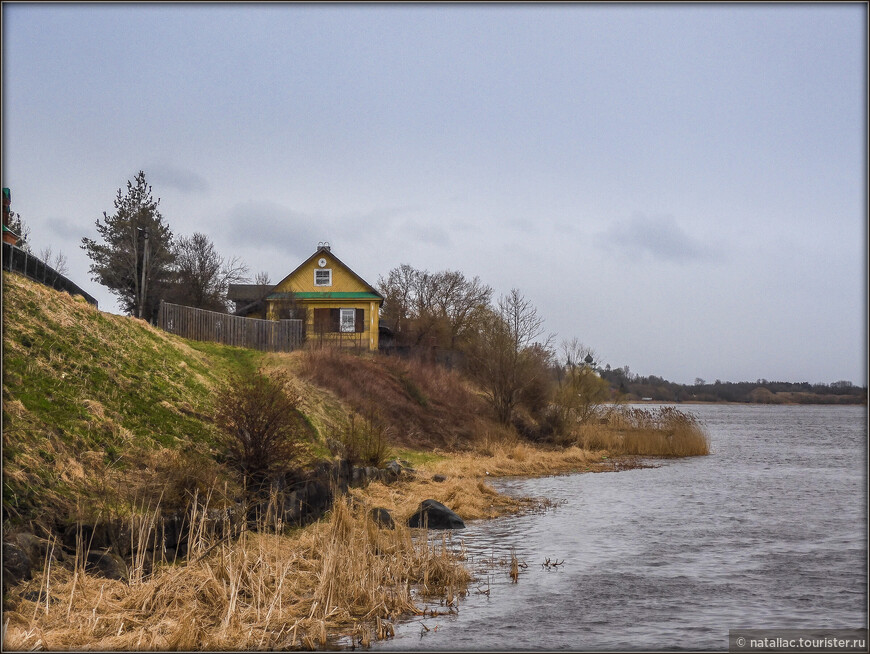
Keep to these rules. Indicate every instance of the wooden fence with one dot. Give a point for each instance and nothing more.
(23, 262)
(202, 325)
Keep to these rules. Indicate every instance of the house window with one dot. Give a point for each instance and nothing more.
(348, 320)
(323, 277)
(332, 321)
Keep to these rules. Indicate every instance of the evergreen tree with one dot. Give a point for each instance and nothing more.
(134, 260)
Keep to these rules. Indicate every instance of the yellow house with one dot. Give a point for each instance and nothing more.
(338, 306)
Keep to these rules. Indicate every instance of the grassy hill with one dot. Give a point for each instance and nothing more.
(100, 410)
(104, 413)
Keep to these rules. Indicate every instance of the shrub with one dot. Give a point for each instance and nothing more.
(364, 440)
(581, 395)
(263, 431)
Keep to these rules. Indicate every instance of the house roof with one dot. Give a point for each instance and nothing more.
(325, 249)
(248, 292)
(326, 295)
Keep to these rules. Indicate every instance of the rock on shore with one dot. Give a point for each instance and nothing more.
(435, 515)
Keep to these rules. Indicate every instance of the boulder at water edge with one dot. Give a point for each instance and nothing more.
(435, 515)
(106, 564)
(382, 518)
(16, 566)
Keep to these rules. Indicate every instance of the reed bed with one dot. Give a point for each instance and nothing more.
(340, 577)
(663, 432)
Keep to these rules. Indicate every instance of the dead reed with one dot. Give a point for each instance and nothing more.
(261, 590)
(665, 432)
(515, 567)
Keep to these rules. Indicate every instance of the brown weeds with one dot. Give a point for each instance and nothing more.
(343, 576)
(666, 432)
(515, 567)
(421, 404)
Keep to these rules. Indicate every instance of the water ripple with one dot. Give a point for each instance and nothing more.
(769, 531)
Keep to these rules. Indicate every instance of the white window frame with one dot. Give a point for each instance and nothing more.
(345, 326)
(329, 276)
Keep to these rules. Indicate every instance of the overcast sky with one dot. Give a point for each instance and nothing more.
(681, 187)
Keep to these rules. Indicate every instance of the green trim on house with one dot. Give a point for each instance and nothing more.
(324, 296)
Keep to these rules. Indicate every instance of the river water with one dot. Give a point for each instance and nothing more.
(768, 531)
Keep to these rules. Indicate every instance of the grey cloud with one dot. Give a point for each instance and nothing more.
(523, 225)
(186, 181)
(402, 222)
(564, 228)
(464, 226)
(67, 230)
(426, 233)
(657, 236)
(271, 225)
(370, 224)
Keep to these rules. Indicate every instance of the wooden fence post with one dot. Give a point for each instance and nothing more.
(216, 327)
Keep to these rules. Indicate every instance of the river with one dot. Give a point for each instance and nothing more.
(768, 531)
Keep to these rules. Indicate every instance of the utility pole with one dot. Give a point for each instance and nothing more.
(142, 288)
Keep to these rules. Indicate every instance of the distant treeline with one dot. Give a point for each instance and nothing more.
(761, 391)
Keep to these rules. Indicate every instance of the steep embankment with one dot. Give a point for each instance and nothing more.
(416, 405)
(104, 413)
(101, 410)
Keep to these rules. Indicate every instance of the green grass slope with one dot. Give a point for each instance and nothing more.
(100, 411)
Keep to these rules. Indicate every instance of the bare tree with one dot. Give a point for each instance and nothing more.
(505, 354)
(460, 301)
(581, 392)
(17, 226)
(203, 276)
(523, 322)
(398, 289)
(55, 260)
(20, 229)
(262, 278)
(424, 306)
(424, 297)
(262, 430)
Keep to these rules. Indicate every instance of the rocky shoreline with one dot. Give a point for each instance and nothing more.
(109, 547)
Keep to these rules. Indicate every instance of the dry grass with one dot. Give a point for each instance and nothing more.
(665, 432)
(422, 405)
(465, 490)
(264, 590)
(343, 576)
(500, 453)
